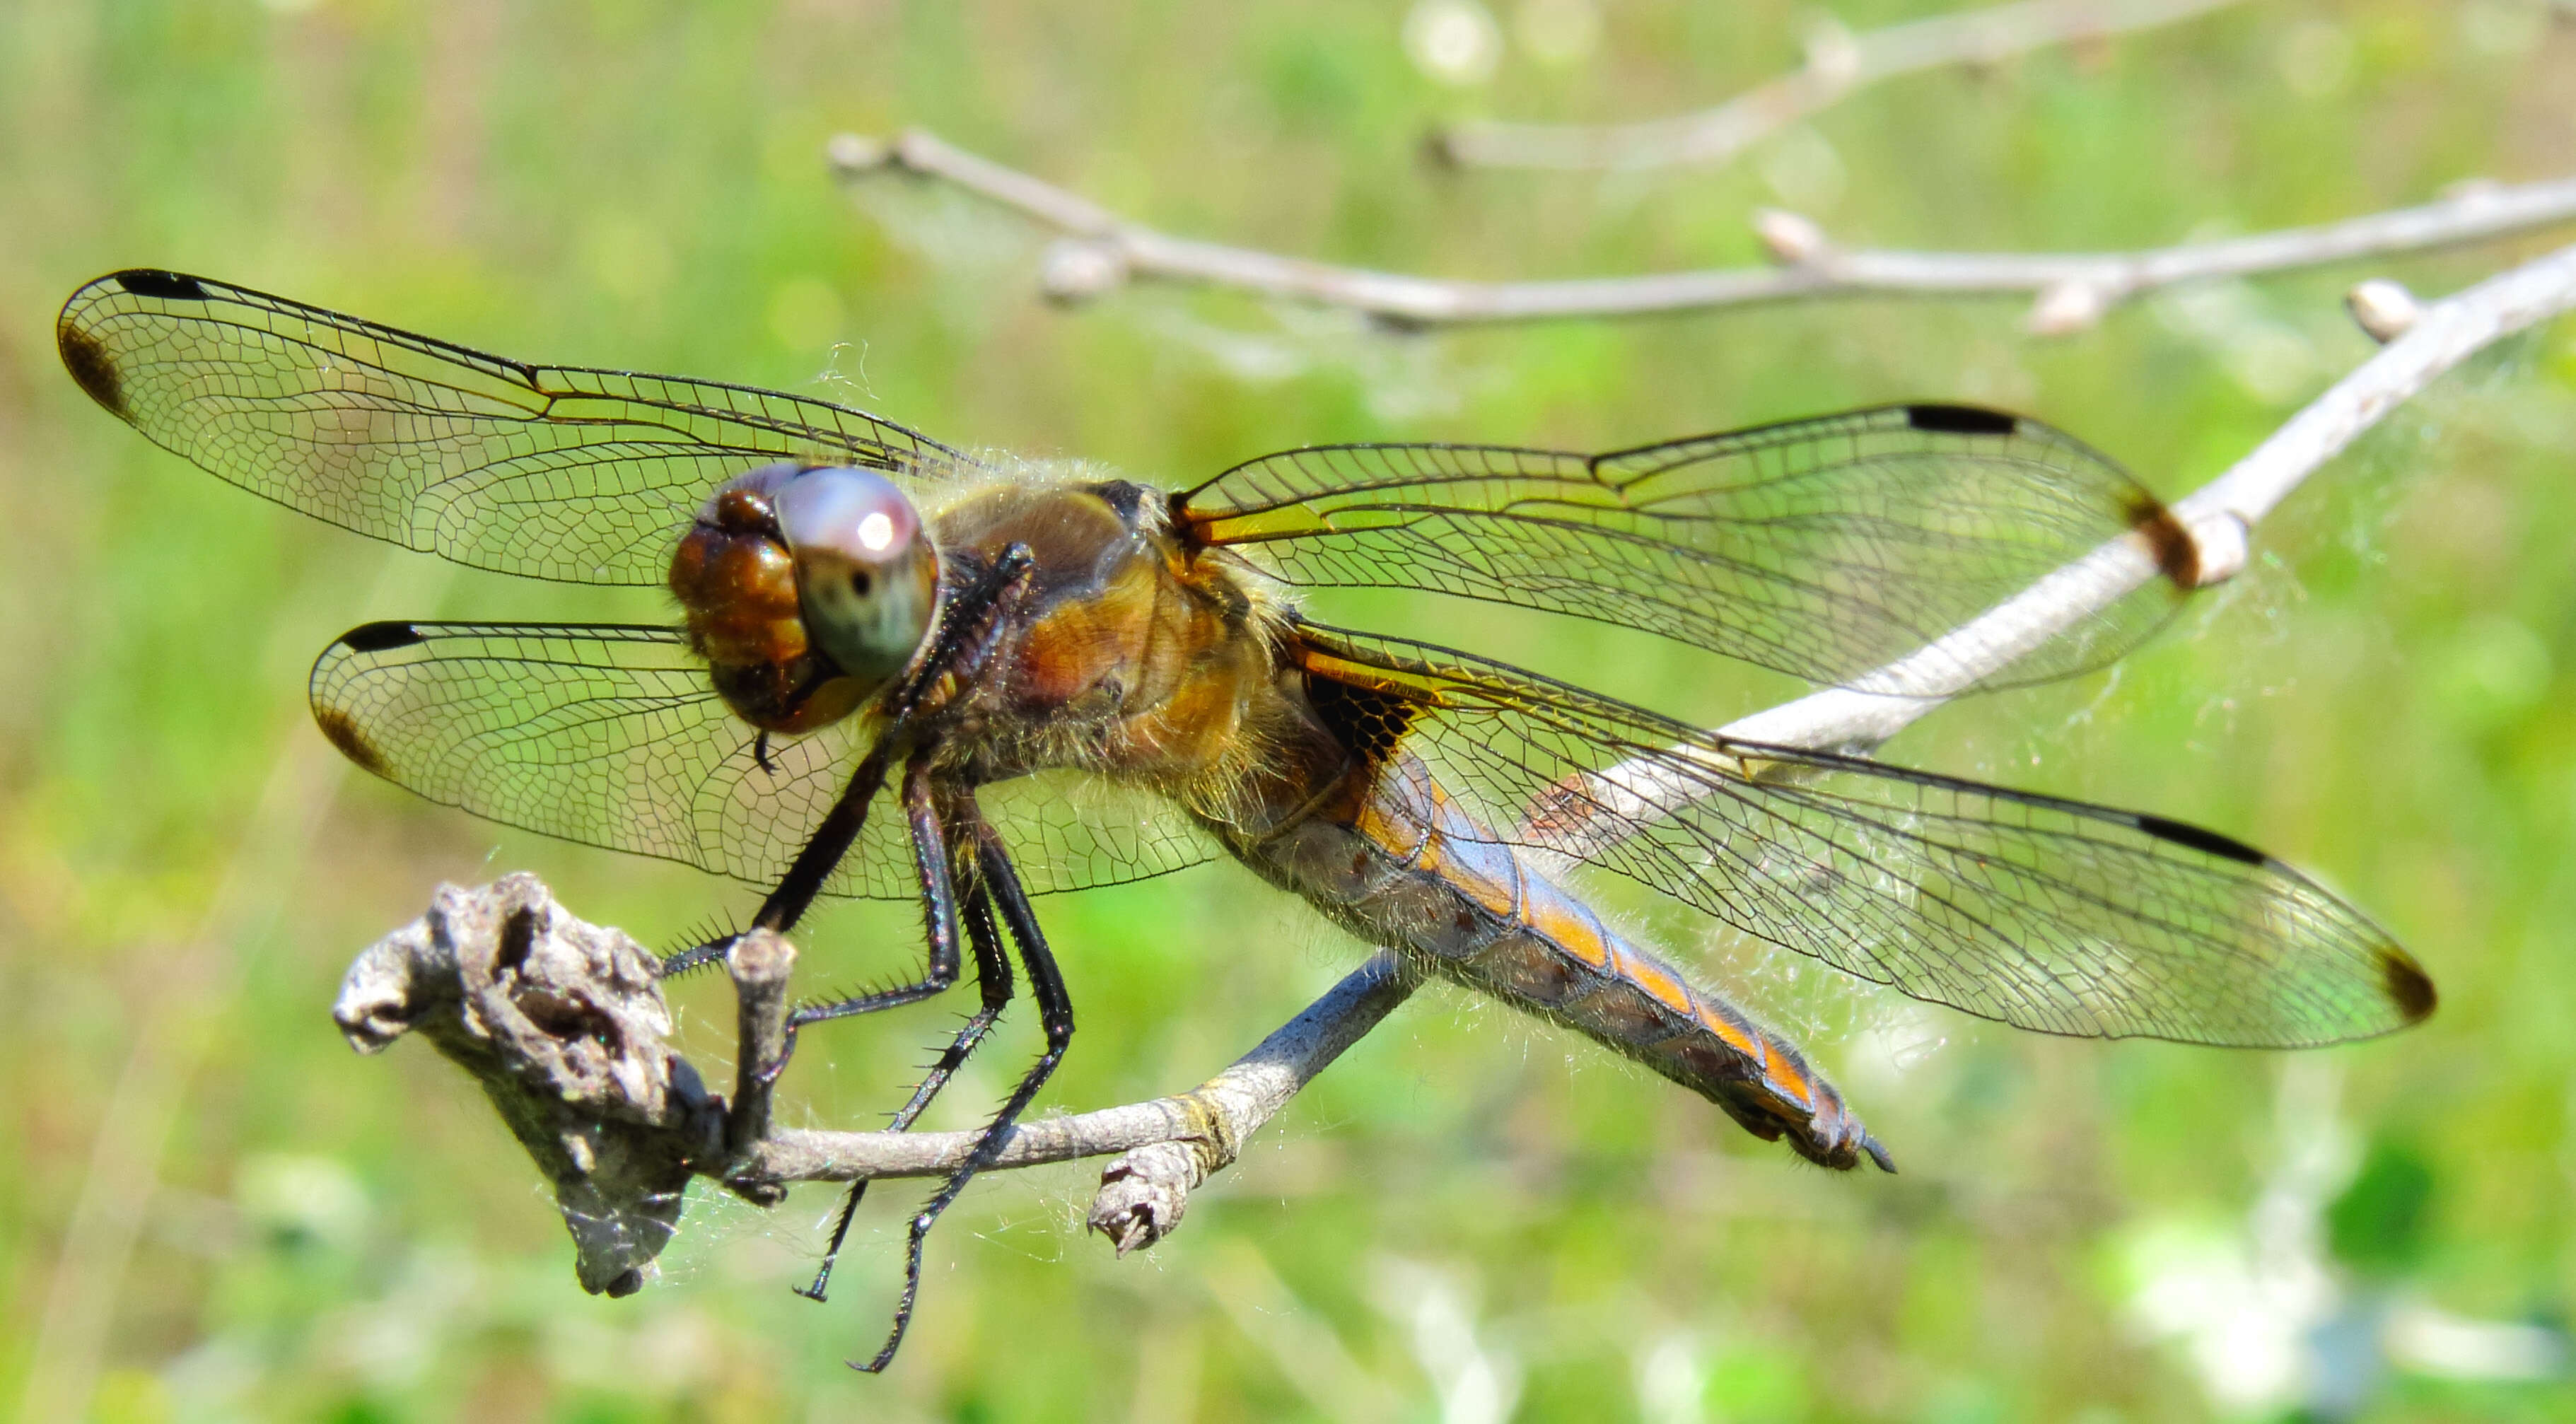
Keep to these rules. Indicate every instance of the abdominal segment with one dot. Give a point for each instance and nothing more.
(1399, 862)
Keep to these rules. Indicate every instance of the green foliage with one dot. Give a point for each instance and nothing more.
(2377, 1226)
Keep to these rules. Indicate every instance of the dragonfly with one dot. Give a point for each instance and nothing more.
(902, 670)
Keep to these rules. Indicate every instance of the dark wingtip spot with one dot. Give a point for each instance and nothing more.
(168, 286)
(2177, 553)
(377, 637)
(1960, 419)
(341, 731)
(93, 370)
(2210, 842)
(2408, 986)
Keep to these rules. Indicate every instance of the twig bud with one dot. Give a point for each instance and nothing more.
(1076, 269)
(2064, 308)
(1833, 53)
(2384, 308)
(1792, 239)
(856, 153)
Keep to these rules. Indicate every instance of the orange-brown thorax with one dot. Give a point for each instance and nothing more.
(1131, 655)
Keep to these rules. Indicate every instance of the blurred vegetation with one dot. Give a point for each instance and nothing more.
(1469, 1218)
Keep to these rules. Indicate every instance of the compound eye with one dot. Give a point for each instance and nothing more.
(867, 575)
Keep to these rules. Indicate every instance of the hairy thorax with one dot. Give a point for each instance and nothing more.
(1127, 655)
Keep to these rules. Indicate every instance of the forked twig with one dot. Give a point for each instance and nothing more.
(564, 1027)
(1101, 250)
(1838, 63)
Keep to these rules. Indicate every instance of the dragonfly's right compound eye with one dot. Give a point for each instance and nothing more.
(866, 573)
(807, 590)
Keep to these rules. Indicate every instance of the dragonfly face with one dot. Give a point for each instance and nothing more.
(894, 660)
(806, 590)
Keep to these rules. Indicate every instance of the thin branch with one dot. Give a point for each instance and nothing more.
(2219, 515)
(564, 1026)
(1838, 63)
(1101, 251)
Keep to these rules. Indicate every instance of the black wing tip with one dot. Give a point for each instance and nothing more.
(161, 283)
(378, 637)
(2205, 841)
(87, 358)
(1961, 419)
(2408, 986)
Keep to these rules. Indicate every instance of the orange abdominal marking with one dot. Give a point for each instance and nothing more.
(1402, 840)
(1734, 1035)
(1493, 896)
(1572, 931)
(1785, 1075)
(1646, 974)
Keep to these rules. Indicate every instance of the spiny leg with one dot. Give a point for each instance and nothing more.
(1055, 1016)
(938, 912)
(993, 978)
(813, 865)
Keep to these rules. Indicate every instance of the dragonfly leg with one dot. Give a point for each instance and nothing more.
(1055, 1016)
(696, 956)
(958, 641)
(938, 912)
(993, 978)
(813, 864)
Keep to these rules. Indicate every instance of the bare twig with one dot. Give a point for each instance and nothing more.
(1838, 62)
(564, 1026)
(2070, 291)
(759, 964)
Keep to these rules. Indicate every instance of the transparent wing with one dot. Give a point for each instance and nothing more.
(2042, 913)
(1821, 548)
(609, 735)
(553, 472)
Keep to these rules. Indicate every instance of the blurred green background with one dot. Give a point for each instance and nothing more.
(212, 1210)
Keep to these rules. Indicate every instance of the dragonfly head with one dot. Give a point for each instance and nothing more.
(807, 589)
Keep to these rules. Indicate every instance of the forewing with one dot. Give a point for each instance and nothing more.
(1822, 548)
(609, 735)
(553, 472)
(2043, 913)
